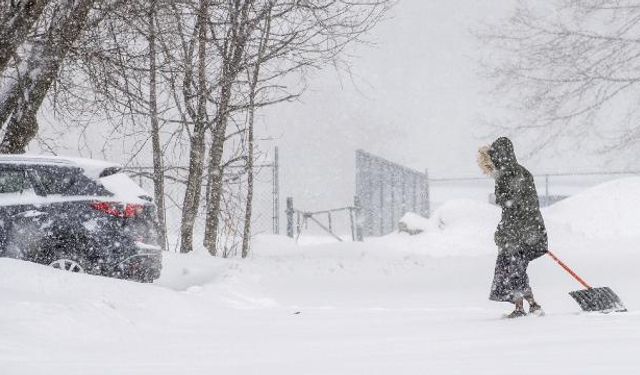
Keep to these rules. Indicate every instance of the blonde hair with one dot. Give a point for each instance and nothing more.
(484, 161)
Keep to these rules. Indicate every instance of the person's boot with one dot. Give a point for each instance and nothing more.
(535, 309)
(519, 311)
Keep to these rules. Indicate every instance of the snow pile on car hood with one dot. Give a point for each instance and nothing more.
(124, 188)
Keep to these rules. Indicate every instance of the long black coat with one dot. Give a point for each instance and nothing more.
(521, 235)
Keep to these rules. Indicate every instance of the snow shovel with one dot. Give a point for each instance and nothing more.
(601, 299)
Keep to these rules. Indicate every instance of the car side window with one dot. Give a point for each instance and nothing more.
(68, 182)
(15, 182)
(56, 181)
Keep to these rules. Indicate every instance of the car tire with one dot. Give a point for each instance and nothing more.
(66, 254)
(68, 264)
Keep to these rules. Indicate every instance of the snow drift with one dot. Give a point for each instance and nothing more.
(396, 304)
(609, 210)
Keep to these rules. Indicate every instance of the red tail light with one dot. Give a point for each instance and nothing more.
(129, 210)
(133, 210)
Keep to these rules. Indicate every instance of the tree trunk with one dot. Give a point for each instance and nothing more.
(158, 162)
(253, 78)
(15, 26)
(196, 154)
(216, 172)
(25, 98)
(246, 235)
(230, 70)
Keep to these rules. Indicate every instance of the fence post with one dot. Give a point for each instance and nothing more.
(382, 206)
(546, 189)
(352, 220)
(276, 192)
(392, 190)
(290, 217)
(426, 207)
(358, 218)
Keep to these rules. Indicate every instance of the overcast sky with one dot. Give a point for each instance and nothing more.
(415, 98)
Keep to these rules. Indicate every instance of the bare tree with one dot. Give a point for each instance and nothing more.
(253, 76)
(309, 34)
(197, 151)
(189, 76)
(29, 86)
(568, 73)
(158, 159)
(17, 18)
(241, 25)
(109, 71)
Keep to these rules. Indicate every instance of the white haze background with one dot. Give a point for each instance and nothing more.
(413, 95)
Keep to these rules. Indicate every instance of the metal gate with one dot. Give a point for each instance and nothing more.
(385, 191)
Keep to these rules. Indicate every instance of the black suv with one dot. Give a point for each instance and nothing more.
(78, 215)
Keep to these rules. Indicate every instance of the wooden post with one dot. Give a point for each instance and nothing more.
(290, 217)
(352, 222)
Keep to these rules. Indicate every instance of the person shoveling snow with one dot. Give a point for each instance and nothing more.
(521, 235)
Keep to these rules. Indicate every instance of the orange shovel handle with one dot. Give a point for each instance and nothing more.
(566, 268)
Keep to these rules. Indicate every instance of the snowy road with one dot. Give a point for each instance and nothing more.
(351, 323)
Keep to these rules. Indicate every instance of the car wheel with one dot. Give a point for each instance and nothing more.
(67, 264)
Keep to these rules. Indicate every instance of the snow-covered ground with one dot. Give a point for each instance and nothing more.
(394, 305)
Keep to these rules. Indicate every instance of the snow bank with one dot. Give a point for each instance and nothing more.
(413, 223)
(467, 216)
(457, 228)
(396, 304)
(181, 272)
(384, 306)
(609, 210)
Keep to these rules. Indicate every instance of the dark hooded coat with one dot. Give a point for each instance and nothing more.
(521, 235)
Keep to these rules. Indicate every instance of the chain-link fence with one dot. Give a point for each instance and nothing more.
(265, 213)
(551, 187)
(266, 197)
(385, 191)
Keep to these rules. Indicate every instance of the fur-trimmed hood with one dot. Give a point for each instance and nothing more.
(484, 161)
(502, 154)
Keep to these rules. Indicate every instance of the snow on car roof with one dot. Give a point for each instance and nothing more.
(117, 183)
(91, 167)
